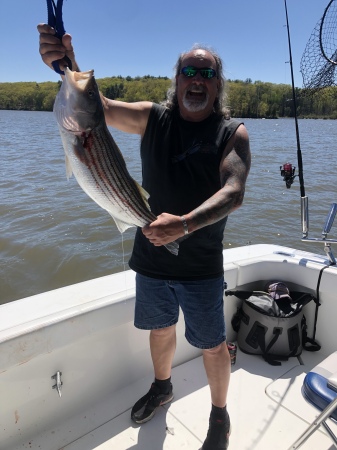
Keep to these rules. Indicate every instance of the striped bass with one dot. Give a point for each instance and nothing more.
(93, 156)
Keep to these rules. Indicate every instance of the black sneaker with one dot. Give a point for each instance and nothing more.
(146, 407)
(217, 435)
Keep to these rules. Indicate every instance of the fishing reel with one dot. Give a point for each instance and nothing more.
(288, 174)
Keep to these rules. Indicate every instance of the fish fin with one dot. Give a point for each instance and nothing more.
(182, 238)
(173, 247)
(145, 195)
(122, 226)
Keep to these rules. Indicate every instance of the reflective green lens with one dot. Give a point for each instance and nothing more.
(207, 73)
(191, 71)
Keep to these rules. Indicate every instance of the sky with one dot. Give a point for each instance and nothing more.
(136, 38)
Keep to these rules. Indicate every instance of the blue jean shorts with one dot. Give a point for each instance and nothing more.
(158, 301)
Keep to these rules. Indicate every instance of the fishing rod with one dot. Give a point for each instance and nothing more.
(304, 198)
(287, 171)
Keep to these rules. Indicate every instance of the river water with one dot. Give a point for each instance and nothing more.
(53, 235)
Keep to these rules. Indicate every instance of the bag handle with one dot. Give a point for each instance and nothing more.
(269, 358)
(314, 346)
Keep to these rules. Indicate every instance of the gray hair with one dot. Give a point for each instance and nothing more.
(171, 101)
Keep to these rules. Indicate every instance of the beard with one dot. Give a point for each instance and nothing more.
(195, 98)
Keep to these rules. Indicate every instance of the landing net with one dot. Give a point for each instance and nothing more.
(319, 60)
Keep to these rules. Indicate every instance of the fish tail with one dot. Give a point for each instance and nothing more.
(173, 247)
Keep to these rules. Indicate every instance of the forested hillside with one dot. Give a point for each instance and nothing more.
(244, 98)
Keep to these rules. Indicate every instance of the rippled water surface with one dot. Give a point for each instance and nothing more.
(53, 235)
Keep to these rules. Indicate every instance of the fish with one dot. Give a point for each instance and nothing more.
(94, 158)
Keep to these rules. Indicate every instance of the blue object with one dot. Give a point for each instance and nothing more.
(316, 391)
(55, 20)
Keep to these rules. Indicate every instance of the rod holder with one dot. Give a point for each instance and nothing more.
(327, 227)
(330, 219)
(329, 254)
(305, 216)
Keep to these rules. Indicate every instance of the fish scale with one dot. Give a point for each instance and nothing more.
(113, 167)
(93, 156)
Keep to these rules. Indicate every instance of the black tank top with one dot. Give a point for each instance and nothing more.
(180, 168)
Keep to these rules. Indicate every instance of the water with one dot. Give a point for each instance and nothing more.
(53, 235)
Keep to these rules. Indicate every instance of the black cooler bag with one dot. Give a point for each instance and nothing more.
(271, 325)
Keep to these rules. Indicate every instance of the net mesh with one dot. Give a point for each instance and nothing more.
(319, 59)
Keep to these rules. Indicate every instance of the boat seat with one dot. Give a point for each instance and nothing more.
(320, 390)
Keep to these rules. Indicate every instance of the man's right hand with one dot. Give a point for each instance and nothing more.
(53, 49)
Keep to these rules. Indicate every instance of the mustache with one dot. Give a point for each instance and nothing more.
(196, 88)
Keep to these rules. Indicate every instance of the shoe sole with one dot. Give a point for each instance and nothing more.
(146, 419)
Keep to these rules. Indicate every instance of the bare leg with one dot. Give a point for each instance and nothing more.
(218, 368)
(163, 345)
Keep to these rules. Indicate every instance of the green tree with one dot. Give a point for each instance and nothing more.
(244, 98)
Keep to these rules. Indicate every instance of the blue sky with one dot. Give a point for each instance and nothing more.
(136, 37)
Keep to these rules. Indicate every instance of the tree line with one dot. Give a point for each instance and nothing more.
(245, 99)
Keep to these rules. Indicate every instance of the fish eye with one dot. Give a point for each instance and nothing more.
(91, 93)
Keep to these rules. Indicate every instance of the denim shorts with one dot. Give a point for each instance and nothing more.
(158, 301)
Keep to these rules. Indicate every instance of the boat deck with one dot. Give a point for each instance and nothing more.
(265, 403)
(86, 332)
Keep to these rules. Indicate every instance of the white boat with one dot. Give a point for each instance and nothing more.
(72, 365)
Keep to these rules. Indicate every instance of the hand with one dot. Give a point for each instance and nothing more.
(167, 228)
(53, 49)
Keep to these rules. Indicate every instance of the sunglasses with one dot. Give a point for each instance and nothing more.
(191, 72)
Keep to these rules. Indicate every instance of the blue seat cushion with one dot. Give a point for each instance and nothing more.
(316, 391)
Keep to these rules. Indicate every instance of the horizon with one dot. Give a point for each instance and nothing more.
(230, 80)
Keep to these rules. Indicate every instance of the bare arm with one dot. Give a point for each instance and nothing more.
(128, 117)
(234, 169)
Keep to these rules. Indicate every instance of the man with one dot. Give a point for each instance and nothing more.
(195, 162)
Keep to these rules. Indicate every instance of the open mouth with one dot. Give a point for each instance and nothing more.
(195, 102)
(195, 94)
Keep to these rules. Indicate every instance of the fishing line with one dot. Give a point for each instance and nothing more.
(124, 269)
(127, 288)
(123, 251)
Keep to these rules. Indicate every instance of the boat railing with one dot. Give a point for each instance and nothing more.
(326, 229)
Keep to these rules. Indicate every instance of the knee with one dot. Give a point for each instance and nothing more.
(163, 332)
(218, 351)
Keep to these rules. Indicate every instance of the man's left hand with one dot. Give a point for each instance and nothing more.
(167, 228)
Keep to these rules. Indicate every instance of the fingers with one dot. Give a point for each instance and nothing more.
(53, 49)
(146, 230)
(50, 48)
(67, 42)
(165, 229)
(151, 234)
(45, 28)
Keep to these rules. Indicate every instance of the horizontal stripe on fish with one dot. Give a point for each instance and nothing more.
(112, 168)
(94, 157)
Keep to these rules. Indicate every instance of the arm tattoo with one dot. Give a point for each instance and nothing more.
(234, 170)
